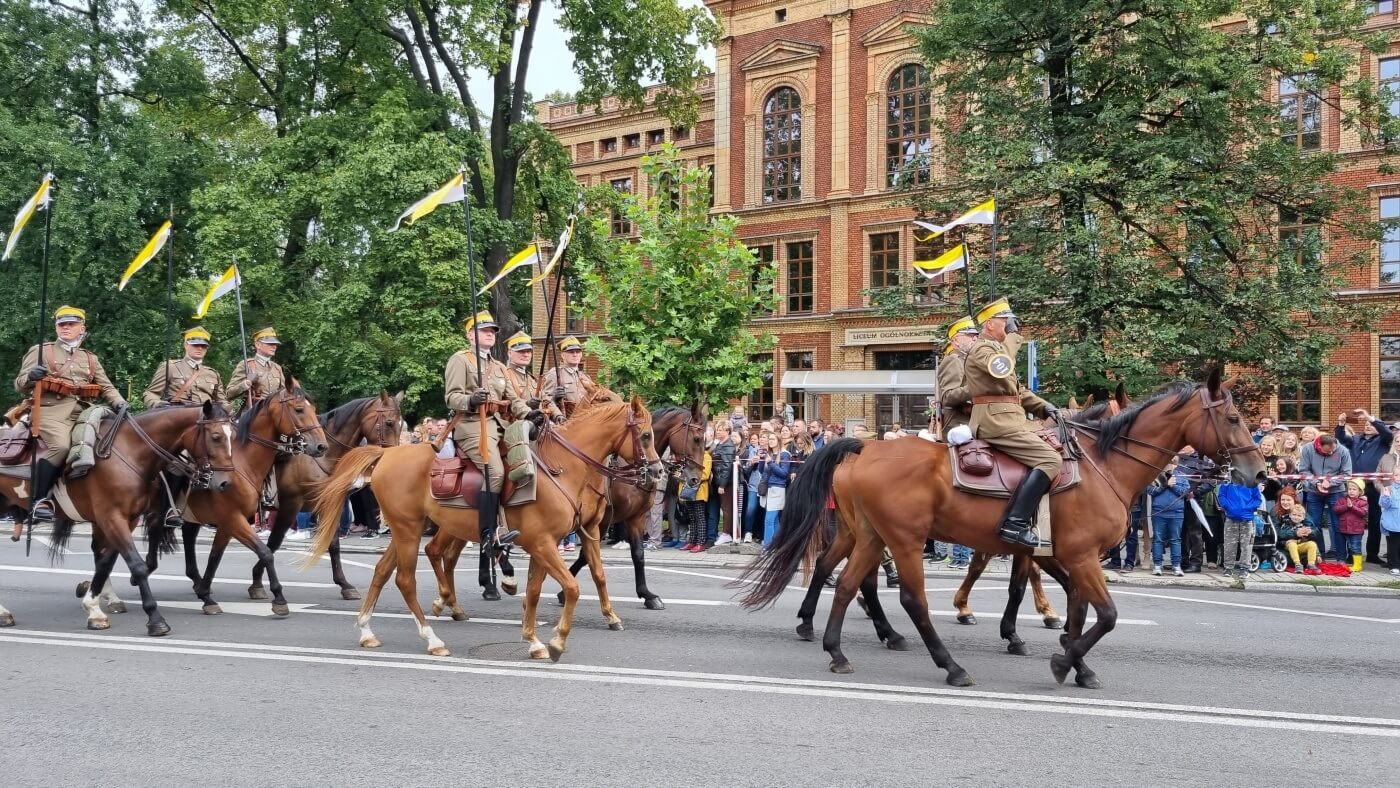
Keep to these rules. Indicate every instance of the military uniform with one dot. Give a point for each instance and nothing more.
(572, 380)
(185, 380)
(460, 381)
(257, 377)
(524, 382)
(954, 401)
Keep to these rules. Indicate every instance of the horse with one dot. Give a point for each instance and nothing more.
(373, 419)
(899, 493)
(570, 460)
(282, 423)
(113, 494)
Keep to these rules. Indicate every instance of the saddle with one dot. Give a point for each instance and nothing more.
(981, 469)
(456, 481)
(17, 445)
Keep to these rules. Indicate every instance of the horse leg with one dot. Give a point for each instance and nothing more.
(960, 599)
(508, 583)
(442, 551)
(140, 577)
(579, 563)
(276, 533)
(347, 589)
(635, 526)
(534, 583)
(103, 563)
(7, 619)
(109, 597)
(862, 562)
(244, 534)
(1093, 590)
(204, 589)
(594, 551)
(1015, 593)
(189, 533)
(382, 570)
(554, 566)
(870, 592)
(839, 549)
(1047, 612)
(406, 555)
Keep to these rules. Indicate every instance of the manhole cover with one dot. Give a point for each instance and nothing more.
(517, 650)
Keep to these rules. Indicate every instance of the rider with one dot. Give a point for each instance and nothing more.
(999, 407)
(68, 376)
(566, 382)
(520, 349)
(466, 396)
(953, 398)
(260, 375)
(190, 381)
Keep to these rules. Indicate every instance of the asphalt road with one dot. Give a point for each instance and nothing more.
(1201, 688)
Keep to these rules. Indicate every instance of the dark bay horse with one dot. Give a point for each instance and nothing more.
(372, 419)
(1121, 454)
(124, 481)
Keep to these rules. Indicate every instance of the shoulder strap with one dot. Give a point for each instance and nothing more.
(185, 387)
(92, 364)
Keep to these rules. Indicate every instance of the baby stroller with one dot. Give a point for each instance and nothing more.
(1267, 554)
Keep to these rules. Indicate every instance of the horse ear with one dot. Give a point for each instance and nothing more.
(1213, 380)
(398, 398)
(208, 409)
(638, 407)
(1074, 402)
(1230, 382)
(1120, 395)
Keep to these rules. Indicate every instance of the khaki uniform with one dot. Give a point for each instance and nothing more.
(57, 413)
(459, 381)
(953, 396)
(990, 370)
(572, 380)
(190, 381)
(526, 387)
(270, 378)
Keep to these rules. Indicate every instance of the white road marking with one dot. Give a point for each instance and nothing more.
(53, 570)
(974, 699)
(264, 610)
(1258, 607)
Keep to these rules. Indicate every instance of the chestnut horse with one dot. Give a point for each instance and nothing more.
(373, 419)
(900, 493)
(569, 492)
(131, 453)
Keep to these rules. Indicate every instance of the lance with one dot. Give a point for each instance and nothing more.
(488, 530)
(39, 343)
(169, 297)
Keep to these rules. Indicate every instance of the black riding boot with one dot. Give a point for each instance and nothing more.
(487, 513)
(41, 510)
(891, 576)
(1020, 511)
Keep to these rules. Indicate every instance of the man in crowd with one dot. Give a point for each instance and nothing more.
(1198, 470)
(1266, 425)
(1325, 457)
(1367, 449)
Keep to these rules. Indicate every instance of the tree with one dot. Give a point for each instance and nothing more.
(675, 302)
(1159, 211)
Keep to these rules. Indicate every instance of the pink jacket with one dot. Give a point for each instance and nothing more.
(1351, 514)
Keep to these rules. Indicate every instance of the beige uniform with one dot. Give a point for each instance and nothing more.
(270, 378)
(990, 371)
(58, 413)
(459, 381)
(953, 399)
(572, 380)
(527, 388)
(190, 381)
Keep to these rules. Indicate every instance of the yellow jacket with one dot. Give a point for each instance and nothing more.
(703, 494)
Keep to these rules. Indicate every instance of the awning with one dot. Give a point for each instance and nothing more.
(862, 381)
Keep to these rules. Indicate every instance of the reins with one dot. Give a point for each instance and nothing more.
(199, 471)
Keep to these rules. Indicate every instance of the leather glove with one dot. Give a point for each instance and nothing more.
(559, 392)
(479, 398)
(560, 419)
(1051, 411)
(38, 373)
(533, 403)
(1013, 326)
(537, 418)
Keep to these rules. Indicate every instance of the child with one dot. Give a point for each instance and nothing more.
(1295, 529)
(1238, 502)
(1390, 521)
(1351, 523)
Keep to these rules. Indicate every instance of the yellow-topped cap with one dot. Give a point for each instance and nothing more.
(197, 336)
(962, 325)
(69, 314)
(268, 335)
(520, 341)
(998, 308)
(482, 319)
(569, 343)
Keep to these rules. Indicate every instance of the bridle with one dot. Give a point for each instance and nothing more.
(289, 441)
(691, 428)
(378, 434)
(634, 472)
(200, 471)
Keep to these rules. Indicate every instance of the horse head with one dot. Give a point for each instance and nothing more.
(1218, 431)
(381, 421)
(212, 447)
(291, 417)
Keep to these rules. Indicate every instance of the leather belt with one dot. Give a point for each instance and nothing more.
(996, 398)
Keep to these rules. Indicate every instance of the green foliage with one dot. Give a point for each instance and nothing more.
(1137, 159)
(675, 301)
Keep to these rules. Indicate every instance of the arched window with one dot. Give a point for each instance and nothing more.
(908, 127)
(782, 146)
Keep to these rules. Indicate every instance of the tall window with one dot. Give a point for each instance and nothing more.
(800, 274)
(620, 224)
(908, 127)
(573, 314)
(761, 400)
(1390, 241)
(1301, 400)
(763, 260)
(799, 361)
(1300, 246)
(782, 146)
(1300, 115)
(884, 260)
(1382, 7)
(1390, 85)
(1390, 378)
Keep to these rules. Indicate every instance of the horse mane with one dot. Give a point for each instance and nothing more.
(1111, 428)
(336, 418)
(599, 412)
(245, 421)
(668, 410)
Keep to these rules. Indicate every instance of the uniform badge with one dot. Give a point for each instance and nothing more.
(1001, 366)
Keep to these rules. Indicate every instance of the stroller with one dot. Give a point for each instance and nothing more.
(1267, 554)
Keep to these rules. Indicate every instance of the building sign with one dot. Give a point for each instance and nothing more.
(899, 335)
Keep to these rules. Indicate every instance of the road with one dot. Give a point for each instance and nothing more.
(1201, 688)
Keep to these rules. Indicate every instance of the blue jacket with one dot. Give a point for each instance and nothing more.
(1169, 499)
(1390, 510)
(1239, 501)
(776, 471)
(1366, 453)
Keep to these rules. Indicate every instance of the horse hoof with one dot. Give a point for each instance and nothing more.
(158, 629)
(349, 593)
(509, 587)
(1060, 665)
(615, 626)
(655, 603)
(212, 609)
(960, 679)
(257, 592)
(805, 632)
(490, 594)
(897, 643)
(1053, 623)
(459, 615)
(7, 620)
(281, 610)
(439, 651)
(370, 642)
(539, 653)
(437, 607)
(968, 619)
(83, 588)
(843, 668)
(100, 623)
(117, 606)
(1088, 680)
(1019, 649)
(555, 652)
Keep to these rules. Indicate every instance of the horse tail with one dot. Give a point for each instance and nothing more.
(330, 497)
(156, 533)
(59, 536)
(804, 522)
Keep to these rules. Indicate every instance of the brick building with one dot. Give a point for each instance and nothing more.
(814, 108)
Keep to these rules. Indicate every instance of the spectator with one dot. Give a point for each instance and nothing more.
(654, 516)
(749, 460)
(697, 499)
(785, 438)
(1266, 426)
(829, 435)
(1238, 502)
(1197, 470)
(814, 431)
(1390, 520)
(1288, 446)
(775, 424)
(775, 462)
(785, 412)
(1367, 450)
(721, 502)
(737, 420)
(1268, 446)
(1168, 491)
(1296, 530)
(1351, 523)
(1281, 466)
(801, 449)
(1324, 457)
(1307, 435)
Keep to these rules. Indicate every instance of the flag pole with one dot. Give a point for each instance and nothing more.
(486, 531)
(169, 297)
(967, 269)
(242, 335)
(992, 262)
(39, 343)
(544, 291)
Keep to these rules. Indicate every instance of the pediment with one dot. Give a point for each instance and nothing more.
(782, 52)
(893, 29)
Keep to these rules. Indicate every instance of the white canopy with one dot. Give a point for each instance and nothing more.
(861, 381)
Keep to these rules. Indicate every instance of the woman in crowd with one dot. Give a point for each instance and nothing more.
(800, 450)
(1268, 446)
(776, 463)
(750, 471)
(1289, 446)
(721, 502)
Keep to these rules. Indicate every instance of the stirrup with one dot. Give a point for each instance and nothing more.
(41, 511)
(174, 519)
(505, 539)
(1024, 536)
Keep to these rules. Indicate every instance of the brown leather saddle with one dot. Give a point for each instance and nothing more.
(981, 469)
(457, 481)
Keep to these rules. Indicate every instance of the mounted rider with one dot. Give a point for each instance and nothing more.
(520, 350)
(566, 383)
(188, 380)
(999, 407)
(66, 377)
(258, 376)
(954, 401)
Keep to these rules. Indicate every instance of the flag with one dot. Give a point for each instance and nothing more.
(449, 193)
(986, 213)
(150, 250)
(530, 255)
(39, 200)
(951, 260)
(564, 238)
(225, 284)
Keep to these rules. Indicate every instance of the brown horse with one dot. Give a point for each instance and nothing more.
(282, 423)
(373, 419)
(899, 493)
(131, 453)
(569, 492)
